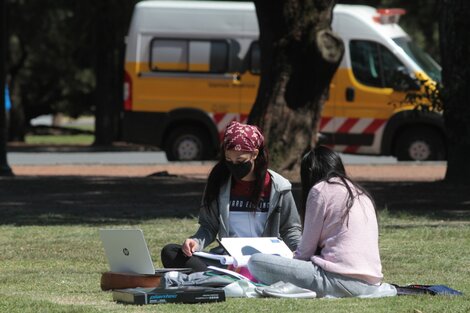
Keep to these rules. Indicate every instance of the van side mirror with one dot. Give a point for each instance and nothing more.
(403, 80)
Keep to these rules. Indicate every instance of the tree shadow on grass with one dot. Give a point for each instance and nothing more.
(69, 200)
(434, 200)
(56, 200)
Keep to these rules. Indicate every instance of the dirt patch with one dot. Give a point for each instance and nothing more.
(398, 172)
(193, 171)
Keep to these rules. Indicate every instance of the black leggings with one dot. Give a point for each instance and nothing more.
(173, 256)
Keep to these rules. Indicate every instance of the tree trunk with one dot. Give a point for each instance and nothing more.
(108, 97)
(5, 169)
(454, 25)
(16, 130)
(299, 56)
(109, 69)
(17, 121)
(104, 99)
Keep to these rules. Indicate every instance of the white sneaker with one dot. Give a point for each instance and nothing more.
(259, 290)
(288, 290)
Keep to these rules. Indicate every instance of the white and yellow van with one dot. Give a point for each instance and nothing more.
(193, 66)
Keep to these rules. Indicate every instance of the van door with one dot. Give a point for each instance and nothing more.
(187, 73)
(365, 96)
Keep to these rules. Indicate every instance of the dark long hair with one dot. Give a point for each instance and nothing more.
(220, 174)
(322, 164)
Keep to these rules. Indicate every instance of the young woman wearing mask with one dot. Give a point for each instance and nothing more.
(243, 198)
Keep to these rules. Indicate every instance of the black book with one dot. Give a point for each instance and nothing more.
(191, 294)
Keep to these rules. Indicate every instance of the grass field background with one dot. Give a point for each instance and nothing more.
(84, 139)
(58, 269)
(70, 132)
(56, 266)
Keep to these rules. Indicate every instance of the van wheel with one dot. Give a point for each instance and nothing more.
(187, 144)
(420, 144)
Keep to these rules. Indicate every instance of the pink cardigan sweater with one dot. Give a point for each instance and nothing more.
(348, 247)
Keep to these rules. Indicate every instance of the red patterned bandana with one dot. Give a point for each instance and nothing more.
(242, 137)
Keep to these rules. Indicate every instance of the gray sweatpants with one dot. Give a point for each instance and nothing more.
(269, 269)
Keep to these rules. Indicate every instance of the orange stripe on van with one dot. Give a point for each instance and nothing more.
(374, 126)
(217, 117)
(353, 126)
(347, 125)
(324, 121)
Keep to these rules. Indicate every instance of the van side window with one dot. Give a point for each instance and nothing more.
(199, 56)
(390, 65)
(373, 64)
(218, 56)
(169, 55)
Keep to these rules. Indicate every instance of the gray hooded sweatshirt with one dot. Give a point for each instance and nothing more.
(283, 219)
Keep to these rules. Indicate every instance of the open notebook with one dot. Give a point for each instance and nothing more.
(240, 249)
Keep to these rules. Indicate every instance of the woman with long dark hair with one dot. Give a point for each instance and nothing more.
(243, 198)
(338, 254)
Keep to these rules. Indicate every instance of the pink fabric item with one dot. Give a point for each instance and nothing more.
(243, 270)
(242, 137)
(350, 248)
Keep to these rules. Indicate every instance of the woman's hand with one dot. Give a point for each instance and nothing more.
(189, 246)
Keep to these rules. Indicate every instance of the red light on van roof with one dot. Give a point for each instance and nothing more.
(389, 16)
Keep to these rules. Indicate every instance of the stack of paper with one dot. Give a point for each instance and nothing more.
(225, 259)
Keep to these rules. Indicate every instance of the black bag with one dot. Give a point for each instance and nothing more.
(426, 289)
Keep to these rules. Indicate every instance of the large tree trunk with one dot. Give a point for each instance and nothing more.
(454, 29)
(299, 56)
(105, 99)
(5, 170)
(16, 130)
(109, 69)
(17, 122)
(108, 92)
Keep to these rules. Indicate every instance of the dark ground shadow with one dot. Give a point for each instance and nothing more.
(62, 200)
(58, 200)
(434, 200)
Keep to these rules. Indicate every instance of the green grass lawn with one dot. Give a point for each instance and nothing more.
(61, 137)
(84, 139)
(58, 269)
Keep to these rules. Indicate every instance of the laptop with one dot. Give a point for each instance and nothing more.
(244, 246)
(127, 252)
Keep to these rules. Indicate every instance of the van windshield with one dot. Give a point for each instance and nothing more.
(424, 60)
